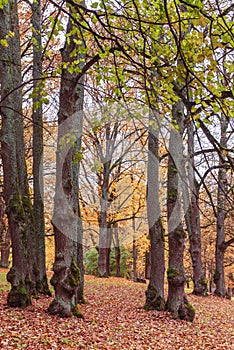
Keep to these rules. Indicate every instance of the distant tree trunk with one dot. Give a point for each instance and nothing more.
(104, 230)
(147, 264)
(117, 249)
(66, 220)
(155, 290)
(219, 276)
(4, 237)
(2, 221)
(134, 257)
(192, 218)
(108, 248)
(103, 238)
(37, 116)
(177, 302)
(5, 250)
(16, 191)
(80, 254)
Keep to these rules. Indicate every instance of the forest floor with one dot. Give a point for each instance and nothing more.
(114, 318)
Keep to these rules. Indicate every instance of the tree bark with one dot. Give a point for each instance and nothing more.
(66, 219)
(5, 250)
(16, 191)
(155, 290)
(103, 238)
(134, 258)
(177, 302)
(104, 229)
(37, 116)
(4, 237)
(117, 249)
(219, 275)
(192, 218)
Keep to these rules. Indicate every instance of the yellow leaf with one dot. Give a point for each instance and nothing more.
(4, 42)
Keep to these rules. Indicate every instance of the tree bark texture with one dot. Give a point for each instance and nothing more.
(37, 116)
(16, 191)
(67, 224)
(117, 249)
(219, 275)
(155, 290)
(192, 218)
(4, 237)
(177, 302)
(105, 235)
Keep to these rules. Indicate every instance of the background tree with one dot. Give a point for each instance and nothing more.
(37, 148)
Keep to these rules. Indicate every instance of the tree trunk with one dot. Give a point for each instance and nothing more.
(219, 276)
(134, 258)
(105, 156)
(37, 116)
(5, 250)
(108, 248)
(4, 237)
(147, 264)
(192, 218)
(155, 290)
(16, 192)
(117, 250)
(103, 251)
(66, 220)
(177, 302)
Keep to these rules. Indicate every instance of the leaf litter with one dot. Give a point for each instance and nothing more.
(115, 319)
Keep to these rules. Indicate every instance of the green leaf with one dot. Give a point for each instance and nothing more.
(94, 5)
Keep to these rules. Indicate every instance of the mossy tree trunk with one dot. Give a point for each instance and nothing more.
(155, 290)
(219, 276)
(16, 191)
(177, 302)
(37, 116)
(67, 279)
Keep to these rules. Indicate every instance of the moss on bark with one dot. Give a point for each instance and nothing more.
(18, 297)
(154, 301)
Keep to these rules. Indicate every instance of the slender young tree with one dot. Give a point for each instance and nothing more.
(192, 217)
(219, 276)
(37, 117)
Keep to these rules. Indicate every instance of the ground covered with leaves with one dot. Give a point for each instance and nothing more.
(114, 319)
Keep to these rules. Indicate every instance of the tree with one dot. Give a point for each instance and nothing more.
(219, 275)
(16, 192)
(177, 302)
(66, 278)
(4, 236)
(192, 216)
(155, 290)
(37, 149)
